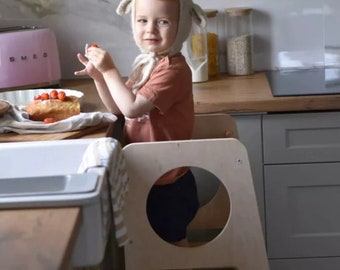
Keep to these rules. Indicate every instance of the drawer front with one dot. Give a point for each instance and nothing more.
(302, 210)
(305, 264)
(306, 137)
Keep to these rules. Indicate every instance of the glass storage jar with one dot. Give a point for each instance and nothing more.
(212, 42)
(196, 54)
(239, 39)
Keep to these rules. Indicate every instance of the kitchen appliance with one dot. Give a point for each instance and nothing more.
(301, 82)
(29, 58)
(57, 184)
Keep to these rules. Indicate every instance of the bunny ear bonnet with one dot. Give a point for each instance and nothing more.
(189, 13)
(124, 7)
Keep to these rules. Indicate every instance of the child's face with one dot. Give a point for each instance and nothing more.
(156, 23)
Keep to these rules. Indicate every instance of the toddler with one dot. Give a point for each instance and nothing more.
(156, 100)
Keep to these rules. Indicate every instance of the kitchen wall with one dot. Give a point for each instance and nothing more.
(287, 34)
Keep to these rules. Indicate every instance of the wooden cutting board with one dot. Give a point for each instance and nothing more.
(101, 130)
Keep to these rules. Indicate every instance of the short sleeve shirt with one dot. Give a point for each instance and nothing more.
(169, 88)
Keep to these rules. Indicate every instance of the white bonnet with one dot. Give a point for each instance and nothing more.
(189, 12)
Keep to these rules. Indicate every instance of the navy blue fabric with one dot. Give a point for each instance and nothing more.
(170, 208)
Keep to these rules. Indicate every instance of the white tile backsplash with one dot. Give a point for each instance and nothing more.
(287, 34)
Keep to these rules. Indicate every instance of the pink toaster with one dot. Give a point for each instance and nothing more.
(29, 58)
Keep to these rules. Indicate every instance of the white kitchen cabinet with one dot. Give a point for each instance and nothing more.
(301, 137)
(301, 161)
(302, 210)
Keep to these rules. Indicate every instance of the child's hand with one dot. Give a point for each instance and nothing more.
(100, 58)
(89, 69)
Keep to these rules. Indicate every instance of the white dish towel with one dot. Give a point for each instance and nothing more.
(107, 152)
(16, 120)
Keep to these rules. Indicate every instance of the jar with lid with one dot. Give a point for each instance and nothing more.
(212, 42)
(195, 52)
(239, 39)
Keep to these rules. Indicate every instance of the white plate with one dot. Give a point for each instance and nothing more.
(23, 97)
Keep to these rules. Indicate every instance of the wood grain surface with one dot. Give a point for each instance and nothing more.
(101, 130)
(39, 239)
(252, 94)
(223, 94)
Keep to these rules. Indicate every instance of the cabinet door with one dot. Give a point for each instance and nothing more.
(303, 210)
(304, 137)
(250, 134)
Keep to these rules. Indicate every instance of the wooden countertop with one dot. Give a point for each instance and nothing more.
(250, 94)
(40, 239)
(229, 94)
